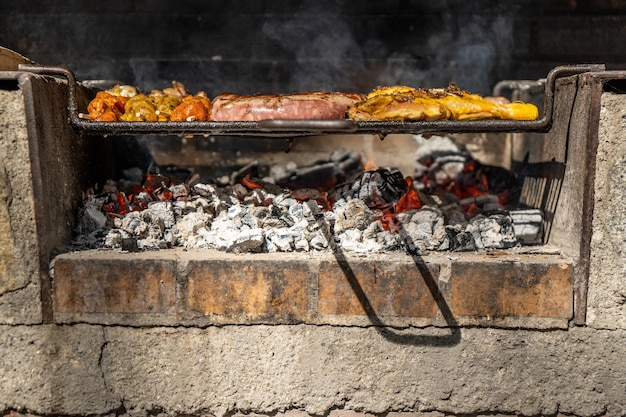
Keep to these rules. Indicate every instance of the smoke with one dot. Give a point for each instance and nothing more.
(321, 41)
(474, 52)
(471, 48)
(478, 55)
(330, 45)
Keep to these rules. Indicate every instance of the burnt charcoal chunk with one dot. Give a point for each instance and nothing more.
(379, 189)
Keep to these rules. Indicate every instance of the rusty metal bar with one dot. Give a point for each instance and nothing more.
(296, 128)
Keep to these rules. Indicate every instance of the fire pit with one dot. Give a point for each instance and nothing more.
(524, 284)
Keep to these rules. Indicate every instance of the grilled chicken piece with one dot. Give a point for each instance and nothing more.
(467, 106)
(407, 103)
(192, 108)
(106, 107)
(398, 106)
(125, 103)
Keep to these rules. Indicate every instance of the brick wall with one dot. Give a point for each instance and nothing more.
(249, 46)
(200, 288)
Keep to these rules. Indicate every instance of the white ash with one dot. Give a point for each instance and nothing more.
(528, 225)
(495, 231)
(424, 229)
(235, 219)
(354, 214)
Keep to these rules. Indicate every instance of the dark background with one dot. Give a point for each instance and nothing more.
(250, 46)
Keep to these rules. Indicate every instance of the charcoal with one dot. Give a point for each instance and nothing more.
(188, 225)
(373, 230)
(528, 225)
(257, 197)
(260, 212)
(250, 169)
(378, 189)
(129, 244)
(321, 174)
(310, 209)
(442, 171)
(249, 220)
(139, 200)
(258, 215)
(92, 220)
(460, 240)
(346, 162)
(388, 241)
(424, 230)
(493, 232)
(280, 173)
(235, 212)
(113, 238)
(133, 224)
(164, 210)
(239, 191)
(296, 212)
(201, 239)
(206, 190)
(316, 176)
(156, 224)
(271, 221)
(179, 191)
(354, 214)
(320, 240)
(352, 240)
(280, 239)
(284, 200)
(301, 245)
(203, 205)
(250, 240)
(182, 207)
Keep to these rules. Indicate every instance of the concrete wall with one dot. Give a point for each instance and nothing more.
(142, 364)
(347, 367)
(19, 266)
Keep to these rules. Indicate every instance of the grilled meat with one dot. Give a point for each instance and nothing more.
(310, 105)
(125, 103)
(106, 107)
(406, 103)
(192, 108)
(386, 103)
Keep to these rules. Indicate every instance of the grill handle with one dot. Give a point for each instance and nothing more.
(307, 125)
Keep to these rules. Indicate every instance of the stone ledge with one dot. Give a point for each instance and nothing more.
(201, 288)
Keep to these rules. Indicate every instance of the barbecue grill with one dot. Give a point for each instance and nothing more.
(557, 173)
(294, 128)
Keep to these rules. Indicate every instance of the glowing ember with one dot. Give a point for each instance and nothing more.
(371, 165)
(445, 207)
(249, 184)
(409, 201)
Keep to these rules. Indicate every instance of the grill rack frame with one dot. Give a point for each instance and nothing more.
(302, 128)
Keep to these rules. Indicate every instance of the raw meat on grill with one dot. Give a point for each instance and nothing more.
(406, 103)
(311, 105)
